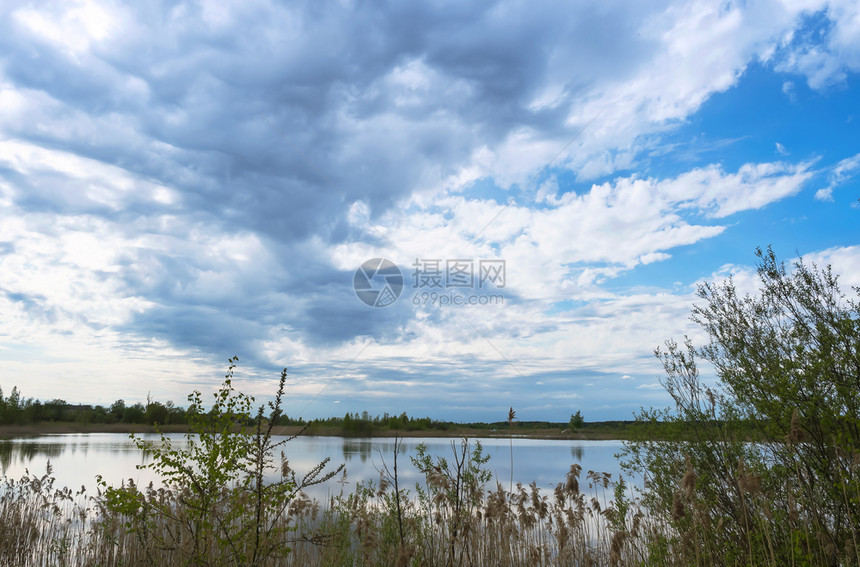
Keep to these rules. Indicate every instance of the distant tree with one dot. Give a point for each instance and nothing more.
(13, 405)
(14, 398)
(11, 408)
(134, 414)
(156, 413)
(175, 414)
(32, 411)
(117, 410)
(99, 415)
(576, 420)
(54, 410)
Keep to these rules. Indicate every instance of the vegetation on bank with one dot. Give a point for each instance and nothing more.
(451, 518)
(31, 417)
(787, 363)
(219, 505)
(17, 411)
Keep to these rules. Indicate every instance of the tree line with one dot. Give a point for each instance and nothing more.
(17, 410)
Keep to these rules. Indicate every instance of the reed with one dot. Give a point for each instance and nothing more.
(453, 517)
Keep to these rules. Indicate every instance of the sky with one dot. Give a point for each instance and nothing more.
(547, 182)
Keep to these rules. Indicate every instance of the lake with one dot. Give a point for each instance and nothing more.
(77, 458)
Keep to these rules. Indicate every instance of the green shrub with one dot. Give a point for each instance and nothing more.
(761, 469)
(216, 507)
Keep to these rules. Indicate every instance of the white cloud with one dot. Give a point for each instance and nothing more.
(625, 223)
(825, 194)
(825, 62)
(846, 168)
(839, 175)
(74, 30)
(142, 181)
(69, 180)
(845, 261)
(754, 186)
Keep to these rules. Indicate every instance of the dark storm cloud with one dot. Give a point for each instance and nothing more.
(276, 120)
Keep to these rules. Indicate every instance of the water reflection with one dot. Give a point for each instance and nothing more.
(78, 458)
(360, 447)
(22, 451)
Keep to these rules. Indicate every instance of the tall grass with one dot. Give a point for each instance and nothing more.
(451, 518)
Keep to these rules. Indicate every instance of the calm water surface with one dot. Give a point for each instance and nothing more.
(77, 458)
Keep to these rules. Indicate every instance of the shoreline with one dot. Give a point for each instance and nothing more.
(17, 431)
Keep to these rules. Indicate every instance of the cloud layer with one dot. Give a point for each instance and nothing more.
(185, 181)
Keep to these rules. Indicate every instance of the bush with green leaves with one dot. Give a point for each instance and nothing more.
(761, 468)
(216, 506)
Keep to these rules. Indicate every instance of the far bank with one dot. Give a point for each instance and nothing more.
(592, 431)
